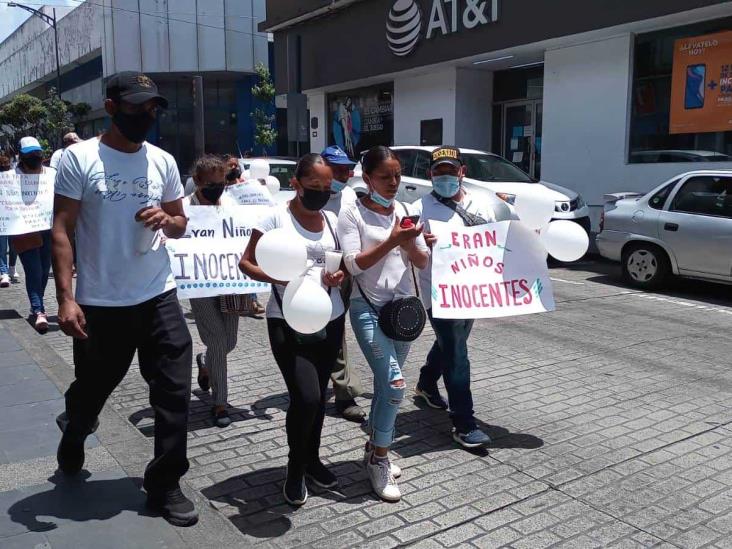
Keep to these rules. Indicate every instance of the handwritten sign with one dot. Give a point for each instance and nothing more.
(26, 202)
(251, 193)
(489, 271)
(205, 262)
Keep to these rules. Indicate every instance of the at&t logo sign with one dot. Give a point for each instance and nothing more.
(405, 22)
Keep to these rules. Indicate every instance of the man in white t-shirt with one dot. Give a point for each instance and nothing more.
(69, 139)
(451, 203)
(346, 383)
(116, 194)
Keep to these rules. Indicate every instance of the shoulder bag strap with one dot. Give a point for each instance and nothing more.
(469, 220)
(332, 232)
(411, 265)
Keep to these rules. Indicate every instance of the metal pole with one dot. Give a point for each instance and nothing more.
(199, 126)
(58, 62)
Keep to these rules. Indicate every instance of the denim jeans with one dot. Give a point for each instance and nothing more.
(37, 265)
(5, 251)
(449, 358)
(386, 359)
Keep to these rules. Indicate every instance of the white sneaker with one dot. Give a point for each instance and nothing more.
(382, 481)
(395, 469)
(4, 281)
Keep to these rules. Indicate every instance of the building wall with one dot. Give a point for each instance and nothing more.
(424, 97)
(586, 117)
(183, 35)
(474, 109)
(28, 55)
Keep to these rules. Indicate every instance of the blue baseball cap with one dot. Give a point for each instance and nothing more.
(29, 145)
(336, 155)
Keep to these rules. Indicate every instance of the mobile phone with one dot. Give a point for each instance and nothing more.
(696, 85)
(413, 218)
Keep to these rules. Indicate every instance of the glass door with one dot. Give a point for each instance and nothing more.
(522, 135)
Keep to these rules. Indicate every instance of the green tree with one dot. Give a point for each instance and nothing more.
(265, 134)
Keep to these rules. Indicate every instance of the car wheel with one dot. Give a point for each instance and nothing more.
(645, 266)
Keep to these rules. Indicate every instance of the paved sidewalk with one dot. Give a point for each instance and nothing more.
(41, 508)
(612, 421)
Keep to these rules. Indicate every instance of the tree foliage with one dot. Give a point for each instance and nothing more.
(46, 119)
(265, 134)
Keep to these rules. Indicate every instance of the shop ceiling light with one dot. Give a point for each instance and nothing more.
(493, 60)
(536, 63)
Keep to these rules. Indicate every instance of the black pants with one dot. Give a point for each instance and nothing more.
(157, 330)
(306, 368)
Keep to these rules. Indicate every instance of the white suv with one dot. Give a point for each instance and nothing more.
(485, 172)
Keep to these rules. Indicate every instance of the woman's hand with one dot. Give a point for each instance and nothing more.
(401, 236)
(333, 280)
(430, 239)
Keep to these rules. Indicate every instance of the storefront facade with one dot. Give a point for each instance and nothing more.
(600, 97)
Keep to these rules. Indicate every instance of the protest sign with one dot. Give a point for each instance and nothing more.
(205, 262)
(488, 271)
(26, 202)
(251, 193)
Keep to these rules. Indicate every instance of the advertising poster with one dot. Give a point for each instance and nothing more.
(362, 118)
(205, 262)
(26, 203)
(701, 89)
(489, 271)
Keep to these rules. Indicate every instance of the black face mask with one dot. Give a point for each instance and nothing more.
(212, 194)
(5, 168)
(314, 200)
(32, 161)
(233, 175)
(134, 127)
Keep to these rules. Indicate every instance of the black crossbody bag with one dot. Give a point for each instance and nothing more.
(320, 335)
(401, 319)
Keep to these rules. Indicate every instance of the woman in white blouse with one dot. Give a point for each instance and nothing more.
(380, 254)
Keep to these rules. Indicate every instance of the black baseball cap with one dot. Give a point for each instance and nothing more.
(134, 87)
(446, 155)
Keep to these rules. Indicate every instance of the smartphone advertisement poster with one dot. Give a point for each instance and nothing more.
(701, 89)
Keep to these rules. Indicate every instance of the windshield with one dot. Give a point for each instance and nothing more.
(486, 167)
(283, 172)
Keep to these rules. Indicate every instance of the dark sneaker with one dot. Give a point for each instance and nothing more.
(474, 438)
(433, 399)
(174, 506)
(294, 490)
(70, 453)
(350, 410)
(319, 475)
(203, 380)
(221, 418)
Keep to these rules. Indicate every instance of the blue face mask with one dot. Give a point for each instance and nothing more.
(446, 186)
(380, 200)
(336, 186)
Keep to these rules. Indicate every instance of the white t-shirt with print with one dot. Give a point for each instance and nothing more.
(112, 187)
(431, 209)
(359, 229)
(317, 244)
(342, 200)
(56, 158)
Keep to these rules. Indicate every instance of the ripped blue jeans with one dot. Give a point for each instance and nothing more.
(386, 358)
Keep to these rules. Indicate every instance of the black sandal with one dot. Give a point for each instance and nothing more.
(203, 379)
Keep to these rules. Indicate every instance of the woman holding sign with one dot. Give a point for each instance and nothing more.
(306, 361)
(381, 244)
(218, 330)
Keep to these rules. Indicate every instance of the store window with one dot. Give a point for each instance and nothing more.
(362, 118)
(680, 100)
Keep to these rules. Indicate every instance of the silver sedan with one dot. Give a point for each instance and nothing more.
(682, 227)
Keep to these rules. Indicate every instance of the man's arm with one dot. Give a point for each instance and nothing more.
(70, 316)
(170, 217)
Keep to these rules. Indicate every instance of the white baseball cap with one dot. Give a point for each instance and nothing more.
(29, 145)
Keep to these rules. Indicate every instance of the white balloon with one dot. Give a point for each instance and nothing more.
(280, 255)
(258, 168)
(535, 206)
(565, 240)
(273, 184)
(307, 307)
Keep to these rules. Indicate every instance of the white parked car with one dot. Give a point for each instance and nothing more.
(281, 168)
(485, 172)
(683, 226)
